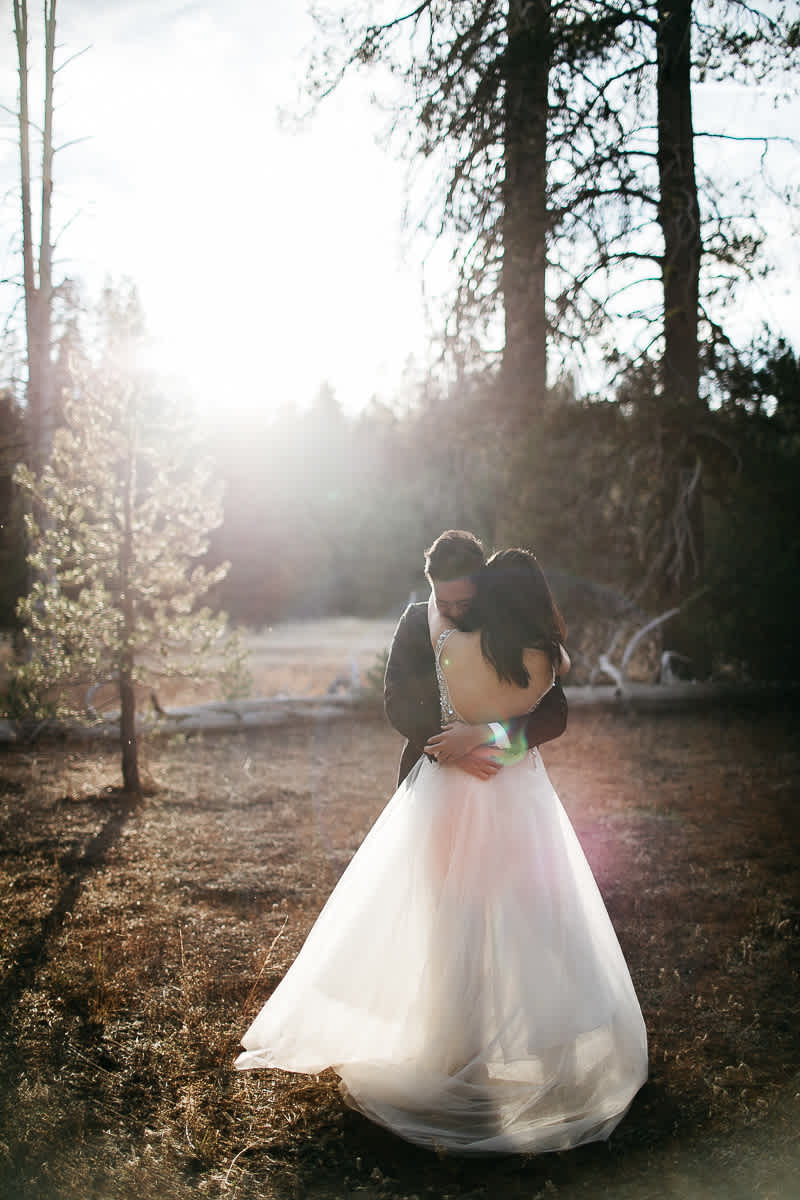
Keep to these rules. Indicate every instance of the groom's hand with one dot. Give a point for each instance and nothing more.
(455, 740)
(482, 763)
(467, 747)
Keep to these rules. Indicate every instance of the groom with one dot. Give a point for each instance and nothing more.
(410, 689)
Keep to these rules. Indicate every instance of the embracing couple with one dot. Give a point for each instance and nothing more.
(464, 979)
(497, 601)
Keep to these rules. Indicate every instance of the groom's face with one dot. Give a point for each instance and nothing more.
(453, 597)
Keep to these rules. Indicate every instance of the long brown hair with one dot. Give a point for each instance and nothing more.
(515, 611)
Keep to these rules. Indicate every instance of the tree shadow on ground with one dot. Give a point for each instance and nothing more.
(75, 866)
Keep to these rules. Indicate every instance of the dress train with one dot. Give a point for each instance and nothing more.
(464, 979)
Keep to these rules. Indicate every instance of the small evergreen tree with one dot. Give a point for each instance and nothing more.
(127, 502)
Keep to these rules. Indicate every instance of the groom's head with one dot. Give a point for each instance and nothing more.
(451, 564)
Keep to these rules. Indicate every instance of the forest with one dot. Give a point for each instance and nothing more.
(556, 150)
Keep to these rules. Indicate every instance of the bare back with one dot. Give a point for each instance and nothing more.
(477, 694)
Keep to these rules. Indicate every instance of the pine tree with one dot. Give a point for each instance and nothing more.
(127, 504)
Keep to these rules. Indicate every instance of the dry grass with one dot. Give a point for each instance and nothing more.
(293, 658)
(134, 954)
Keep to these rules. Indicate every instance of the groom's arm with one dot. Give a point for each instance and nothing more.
(546, 723)
(410, 695)
(506, 740)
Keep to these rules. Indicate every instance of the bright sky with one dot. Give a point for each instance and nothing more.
(267, 260)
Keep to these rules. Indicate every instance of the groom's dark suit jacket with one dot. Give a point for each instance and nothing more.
(411, 693)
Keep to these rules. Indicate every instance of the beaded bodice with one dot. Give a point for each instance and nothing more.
(445, 703)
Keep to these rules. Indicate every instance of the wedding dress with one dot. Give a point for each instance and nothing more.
(464, 979)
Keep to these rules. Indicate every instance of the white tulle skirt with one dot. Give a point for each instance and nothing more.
(464, 979)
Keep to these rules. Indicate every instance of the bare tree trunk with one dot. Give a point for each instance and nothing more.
(127, 731)
(45, 240)
(525, 217)
(127, 725)
(33, 394)
(678, 211)
(38, 298)
(679, 218)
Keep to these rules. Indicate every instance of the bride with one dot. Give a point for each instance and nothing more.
(464, 979)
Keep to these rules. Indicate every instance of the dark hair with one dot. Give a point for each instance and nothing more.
(514, 610)
(455, 554)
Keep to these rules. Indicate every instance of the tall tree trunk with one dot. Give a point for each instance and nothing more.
(127, 724)
(45, 239)
(33, 396)
(678, 211)
(38, 296)
(525, 217)
(127, 731)
(679, 218)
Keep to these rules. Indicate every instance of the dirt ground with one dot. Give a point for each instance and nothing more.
(138, 941)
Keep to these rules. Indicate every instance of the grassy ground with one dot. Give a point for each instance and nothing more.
(292, 658)
(138, 942)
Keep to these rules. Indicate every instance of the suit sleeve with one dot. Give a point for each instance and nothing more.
(546, 723)
(410, 696)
